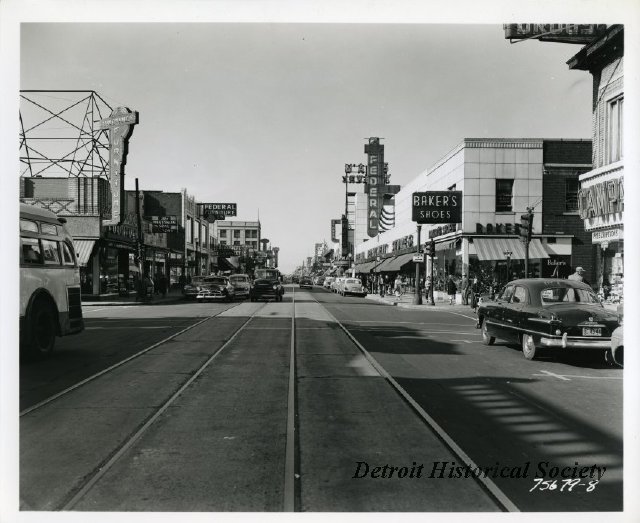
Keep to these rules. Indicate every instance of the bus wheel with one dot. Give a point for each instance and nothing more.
(43, 329)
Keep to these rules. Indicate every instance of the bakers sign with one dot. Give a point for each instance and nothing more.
(437, 207)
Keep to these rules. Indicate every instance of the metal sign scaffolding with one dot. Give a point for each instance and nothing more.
(60, 135)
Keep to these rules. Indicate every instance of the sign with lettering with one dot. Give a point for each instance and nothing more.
(602, 198)
(164, 223)
(442, 230)
(437, 207)
(376, 184)
(606, 235)
(567, 33)
(219, 209)
(119, 125)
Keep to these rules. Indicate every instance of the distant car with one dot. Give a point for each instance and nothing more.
(545, 313)
(617, 341)
(353, 286)
(241, 284)
(191, 290)
(327, 282)
(305, 282)
(320, 281)
(216, 288)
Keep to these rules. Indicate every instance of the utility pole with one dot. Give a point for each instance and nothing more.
(140, 238)
(417, 299)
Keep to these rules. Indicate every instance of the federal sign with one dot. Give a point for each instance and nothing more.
(437, 207)
(222, 209)
(164, 223)
(418, 258)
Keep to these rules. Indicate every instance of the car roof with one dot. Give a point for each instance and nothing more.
(543, 283)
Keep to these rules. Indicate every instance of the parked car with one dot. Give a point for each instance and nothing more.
(266, 285)
(617, 340)
(305, 282)
(327, 282)
(216, 288)
(353, 286)
(320, 281)
(191, 290)
(543, 313)
(336, 284)
(241, 284)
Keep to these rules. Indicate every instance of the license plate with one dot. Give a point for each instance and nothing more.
(591, 331)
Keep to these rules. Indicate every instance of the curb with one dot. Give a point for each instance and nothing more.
(119, 303)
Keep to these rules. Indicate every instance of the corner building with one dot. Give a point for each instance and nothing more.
(499, 178)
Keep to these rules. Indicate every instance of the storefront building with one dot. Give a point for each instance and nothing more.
(601, 194)
(499, 179)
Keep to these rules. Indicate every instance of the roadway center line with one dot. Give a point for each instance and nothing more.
(566, 377)
(552, 374)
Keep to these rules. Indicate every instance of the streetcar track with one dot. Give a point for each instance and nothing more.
(116, 365)
(117, 453)
(486, 483)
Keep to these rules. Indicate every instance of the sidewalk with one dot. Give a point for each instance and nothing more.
(406, 302)
(172, 296)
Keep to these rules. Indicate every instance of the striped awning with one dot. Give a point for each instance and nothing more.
(83, 250)
(396, 263)
(494, 249)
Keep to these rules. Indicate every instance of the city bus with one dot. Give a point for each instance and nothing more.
(50, 303)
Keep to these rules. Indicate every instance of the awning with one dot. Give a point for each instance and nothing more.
(396, 263)
(226, 263)
(494, 249)
(384, 266)
(444, 246)
(83, 250)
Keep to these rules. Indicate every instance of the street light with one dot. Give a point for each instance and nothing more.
(507, 255)
(417, 299)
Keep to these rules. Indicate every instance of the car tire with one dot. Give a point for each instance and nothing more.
(528, 347)
(487, 339)
(42, 327)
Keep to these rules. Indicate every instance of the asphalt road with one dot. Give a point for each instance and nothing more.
(217, 438)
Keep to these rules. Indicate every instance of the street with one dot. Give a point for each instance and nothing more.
(316, 403)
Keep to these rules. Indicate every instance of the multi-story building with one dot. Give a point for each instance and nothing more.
(239, 245)
(601, 195)
(500, 180)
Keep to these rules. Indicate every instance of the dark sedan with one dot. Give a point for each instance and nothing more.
(306, 282)
(541, 313)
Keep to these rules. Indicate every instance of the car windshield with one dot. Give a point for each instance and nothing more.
(553, 295)
(215, 281)
(239, 279)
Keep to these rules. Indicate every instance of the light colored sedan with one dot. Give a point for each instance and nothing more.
(242, 284)
(353, 286)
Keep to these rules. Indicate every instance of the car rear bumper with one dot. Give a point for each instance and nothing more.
(566, 342)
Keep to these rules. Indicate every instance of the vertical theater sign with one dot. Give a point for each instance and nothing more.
(377, 184)
(119, 125)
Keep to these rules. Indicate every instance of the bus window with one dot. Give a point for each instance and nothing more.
(31, 253)
(67, 254)
(49, 228)
(28, 225)
(50, 252)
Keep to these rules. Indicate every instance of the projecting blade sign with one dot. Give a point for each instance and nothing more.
(120, 125)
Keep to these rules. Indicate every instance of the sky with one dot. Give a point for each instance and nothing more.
(267, 114)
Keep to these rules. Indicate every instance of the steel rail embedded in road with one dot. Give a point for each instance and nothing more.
(130, 440)
(487, 484)
(116, 365)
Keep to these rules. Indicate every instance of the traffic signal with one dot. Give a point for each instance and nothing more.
(430, 248)
(526, 227)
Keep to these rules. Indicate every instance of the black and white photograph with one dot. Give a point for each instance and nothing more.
(340, 259)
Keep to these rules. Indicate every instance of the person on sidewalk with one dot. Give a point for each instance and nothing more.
(464, 284)
(451, 290)
(397, 285)
(381, 286)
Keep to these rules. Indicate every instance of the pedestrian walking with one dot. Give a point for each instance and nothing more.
(464, 284)
(578, 275)
(451, 290)
(381, 285)
(397, 285)
(475, 293)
